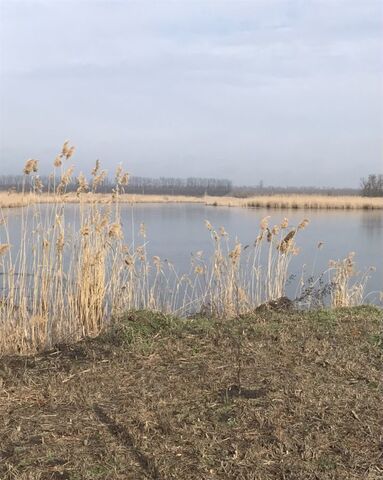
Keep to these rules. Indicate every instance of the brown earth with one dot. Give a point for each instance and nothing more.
(275, 396)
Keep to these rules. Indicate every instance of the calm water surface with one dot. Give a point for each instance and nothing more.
(175, 231)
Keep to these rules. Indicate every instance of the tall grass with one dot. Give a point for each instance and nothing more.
(349, 286)
(288, 201)
(311, 202)
(61, 285)
(15, 200)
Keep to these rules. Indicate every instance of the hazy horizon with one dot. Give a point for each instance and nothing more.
(287, 92)
(111, 175)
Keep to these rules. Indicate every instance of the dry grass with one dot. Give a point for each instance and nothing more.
(9, 200)
(301, 202)
(344, 293)
(64, 285)
(59, 284)
(12, 200)
(268, 397)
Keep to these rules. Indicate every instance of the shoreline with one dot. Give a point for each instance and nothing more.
(278, 202)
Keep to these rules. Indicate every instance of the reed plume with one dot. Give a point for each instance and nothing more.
(4, 247)
(30, 166)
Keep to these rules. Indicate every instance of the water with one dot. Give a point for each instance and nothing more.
(175, 231)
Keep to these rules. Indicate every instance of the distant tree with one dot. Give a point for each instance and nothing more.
(146, 185)
(372, 186)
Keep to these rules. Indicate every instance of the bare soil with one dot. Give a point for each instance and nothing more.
(277, 395)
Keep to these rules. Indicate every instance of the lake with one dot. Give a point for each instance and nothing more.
(175, 231)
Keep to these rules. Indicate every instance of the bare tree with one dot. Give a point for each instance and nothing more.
(145, 185)
(372, 186)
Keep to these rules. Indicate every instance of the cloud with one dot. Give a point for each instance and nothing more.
(248, 90)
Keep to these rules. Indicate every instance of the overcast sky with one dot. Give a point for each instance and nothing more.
(290, 92)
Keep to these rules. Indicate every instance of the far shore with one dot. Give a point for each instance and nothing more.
(14, 200)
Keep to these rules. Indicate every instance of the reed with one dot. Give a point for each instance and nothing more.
(309, 202)
(349, 285)
(61, 284)
(15, 200)
(238, 278)
(289, 202)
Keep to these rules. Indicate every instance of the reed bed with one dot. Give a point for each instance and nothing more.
(14, 200)
(62, 285)
(313, 202)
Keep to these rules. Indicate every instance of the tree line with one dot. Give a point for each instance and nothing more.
(248, 191)
(144, 185)
(372, 186)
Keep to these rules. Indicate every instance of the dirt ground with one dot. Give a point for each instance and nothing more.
(274, 396)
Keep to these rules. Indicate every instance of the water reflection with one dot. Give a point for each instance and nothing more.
(372, 222)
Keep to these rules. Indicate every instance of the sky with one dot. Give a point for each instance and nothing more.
(289, 92)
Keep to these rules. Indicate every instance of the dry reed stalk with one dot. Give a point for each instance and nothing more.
(278, 202)
(349, 287)
(300, 201)
(69, 285)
